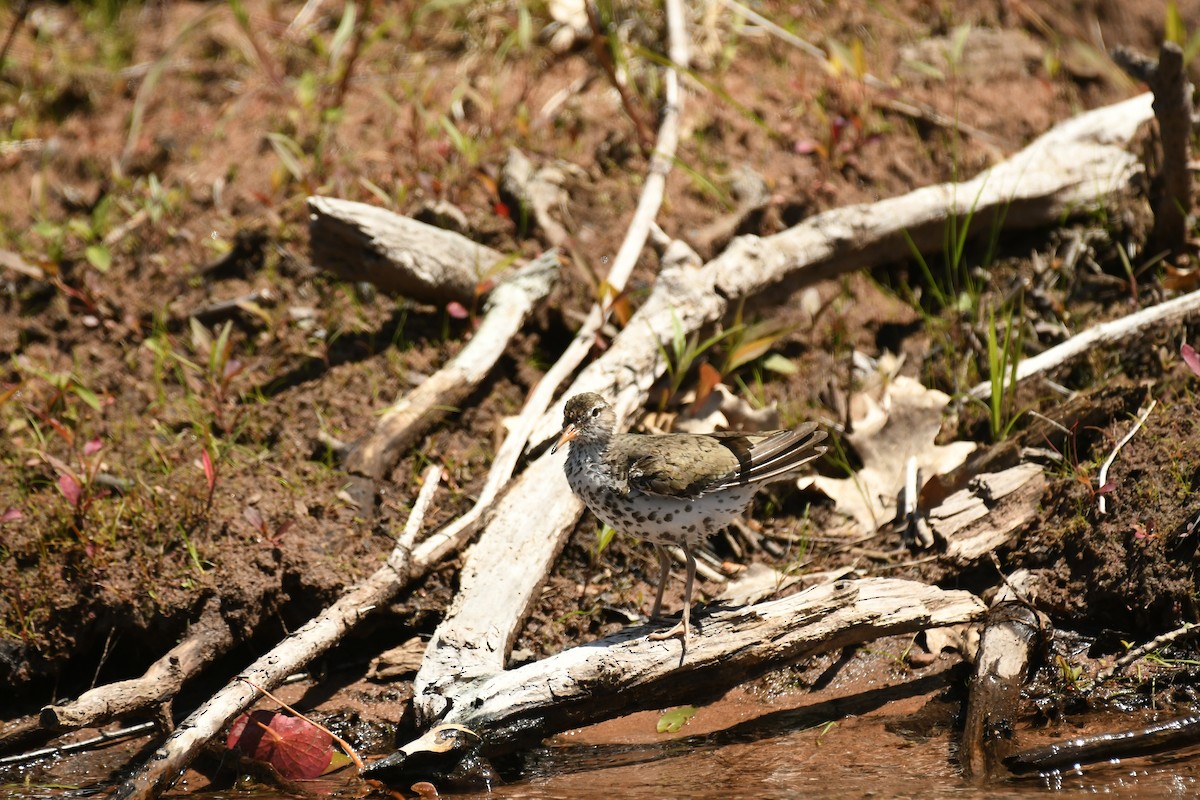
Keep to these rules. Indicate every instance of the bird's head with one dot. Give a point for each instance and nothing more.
(588, 419)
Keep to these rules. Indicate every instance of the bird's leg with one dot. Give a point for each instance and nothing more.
(681, 628)
(664, 572)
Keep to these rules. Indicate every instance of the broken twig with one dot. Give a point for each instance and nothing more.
(1102, 481)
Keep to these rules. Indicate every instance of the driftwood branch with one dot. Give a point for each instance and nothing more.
(1171, 734)
(507, 308)
(151, 694)
(1171, 190)
(206, 641)
(1078, 162)
(1072, 168)
(628, 672)
(1118, 331)
(361, 242)
(309, 641)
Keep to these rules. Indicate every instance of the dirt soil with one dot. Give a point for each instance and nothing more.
(166, 450)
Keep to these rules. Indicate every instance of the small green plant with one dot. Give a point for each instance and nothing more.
(77, 484)
(604, 538)
(683, 354)
(1004, 358)
(210, 377)
(671, 721)
(741, 344)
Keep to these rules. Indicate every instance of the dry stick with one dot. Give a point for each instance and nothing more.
(22, 10)
(921, 112)
(533, 413)
(315, 637)
(1172, 312)
(87, 744)
(209, 639)
(1070, 167)
(1119, 666)
(1103, 479)
(1172, 195)
(605, 58)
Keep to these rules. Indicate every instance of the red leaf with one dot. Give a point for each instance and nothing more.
(11, 514)
(71, 489)
(210, 472)
(501, 210)
(255, 518)
(1191, 358)
(295, 747)
(61, 430)
(92, 447)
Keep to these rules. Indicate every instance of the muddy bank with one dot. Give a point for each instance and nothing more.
(181, 373)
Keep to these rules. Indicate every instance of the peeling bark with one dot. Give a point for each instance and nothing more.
(361, 242)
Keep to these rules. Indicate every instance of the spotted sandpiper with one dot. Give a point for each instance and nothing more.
(674, 488)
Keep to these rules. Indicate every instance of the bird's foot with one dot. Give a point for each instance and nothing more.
(680, 631)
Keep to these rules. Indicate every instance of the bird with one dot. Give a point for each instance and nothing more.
(673, 488)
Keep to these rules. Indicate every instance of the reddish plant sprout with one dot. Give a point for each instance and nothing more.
(1191, 358)
(71, 489)
(210, 474)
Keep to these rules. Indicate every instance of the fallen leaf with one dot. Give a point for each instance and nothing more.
(295, 747)
(902, 422)
(675, 719)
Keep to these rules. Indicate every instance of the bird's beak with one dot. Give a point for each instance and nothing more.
(569, 433)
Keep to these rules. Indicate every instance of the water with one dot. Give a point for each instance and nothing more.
(856, 740)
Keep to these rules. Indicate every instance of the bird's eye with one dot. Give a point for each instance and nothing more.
(596, 411)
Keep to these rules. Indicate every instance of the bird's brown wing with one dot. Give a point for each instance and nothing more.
(771, 456)
(689, 466)
(677, 465)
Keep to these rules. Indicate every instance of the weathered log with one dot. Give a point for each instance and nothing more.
(1006, 650)
(207, 640)
(361, 242)
(1117, 331)
(628, 672)
(149, 695)
(976, 520)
